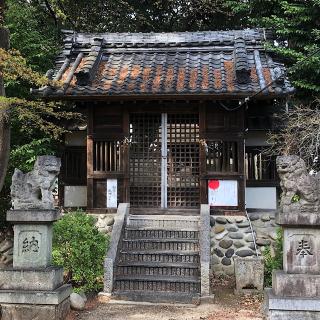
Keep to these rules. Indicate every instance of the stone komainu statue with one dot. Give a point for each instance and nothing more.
(33, 190)
(300, 190)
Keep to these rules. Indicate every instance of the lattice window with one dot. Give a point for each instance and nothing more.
(107, 156)
(222, 156)
(145, 160)
(259, 166)
(183, 160)
(74, 166)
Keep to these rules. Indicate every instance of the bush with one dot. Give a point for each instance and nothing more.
(80, 248)
(273, 258)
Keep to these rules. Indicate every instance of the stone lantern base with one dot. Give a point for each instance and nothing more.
(288, 308)
(33, 288)
(30, 304)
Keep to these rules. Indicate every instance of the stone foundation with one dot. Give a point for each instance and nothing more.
(289, 308)
(31, 312)
(231, 237)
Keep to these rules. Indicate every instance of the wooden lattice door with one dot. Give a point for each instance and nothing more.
(183, 160)
(164, 160)
(145, 160)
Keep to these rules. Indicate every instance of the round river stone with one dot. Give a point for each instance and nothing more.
(226, 261)
(212, 221)
(232, 229)
(218, 229)
(229, 253)
(219, 236)
(254, 217)
(238, 244)
(263, 242)
(235, 235)
(221, 220)
(244, 224)
(225, 244)
(244, 253)
(218, 252)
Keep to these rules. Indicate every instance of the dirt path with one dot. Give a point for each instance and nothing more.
(227, 306)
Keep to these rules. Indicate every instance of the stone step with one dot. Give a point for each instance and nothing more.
(159, 256)
(159, 283)
(160, 297)
(142, 233)
(167, 222)
(160, 244)
(158, 270)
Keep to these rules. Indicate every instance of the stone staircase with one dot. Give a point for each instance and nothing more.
(158, 259)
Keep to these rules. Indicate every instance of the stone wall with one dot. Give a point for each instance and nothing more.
(231, 236)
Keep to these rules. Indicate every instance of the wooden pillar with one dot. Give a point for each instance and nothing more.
(125, 158)
(90, 194)
(202, 151)
(242, 181)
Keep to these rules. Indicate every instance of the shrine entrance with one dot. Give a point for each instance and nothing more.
(164, 160)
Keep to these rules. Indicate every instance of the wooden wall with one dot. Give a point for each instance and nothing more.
(108, 126)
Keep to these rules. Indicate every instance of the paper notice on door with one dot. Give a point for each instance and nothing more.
(223, 193)
(112, 187)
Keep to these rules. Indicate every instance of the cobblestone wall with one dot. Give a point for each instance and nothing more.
(232, 236)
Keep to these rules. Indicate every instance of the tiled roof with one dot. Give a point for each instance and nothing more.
(213, 63)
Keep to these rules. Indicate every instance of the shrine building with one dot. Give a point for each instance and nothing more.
(173, 120)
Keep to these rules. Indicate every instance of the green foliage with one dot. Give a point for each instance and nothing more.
(23, 157)
(273, 257)
(295, 198)
(32, 33)
(296, 26)
(140, 16)
(80, 248)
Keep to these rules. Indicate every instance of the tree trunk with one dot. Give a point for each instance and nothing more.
(4, 112)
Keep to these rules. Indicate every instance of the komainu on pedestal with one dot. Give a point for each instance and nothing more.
(33, 190)
(32, 288)
(295, 292)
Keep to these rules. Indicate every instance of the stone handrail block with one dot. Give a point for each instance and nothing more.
(117, 231)
(33, 216)
(204, 241)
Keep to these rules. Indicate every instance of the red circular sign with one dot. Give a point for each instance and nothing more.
(214, 184)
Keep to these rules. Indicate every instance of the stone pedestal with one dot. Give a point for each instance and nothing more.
(295, 292)
(32, 288)
(249, 275)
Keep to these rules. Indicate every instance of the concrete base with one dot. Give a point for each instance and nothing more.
(295, 285)
(32, 312)
(288, 308)
(32, 297)
(31, 279)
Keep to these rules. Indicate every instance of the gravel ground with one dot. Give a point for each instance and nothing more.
(227, 306)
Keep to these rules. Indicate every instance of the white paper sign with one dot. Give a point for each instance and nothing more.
(112, 187)
(223, 193)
